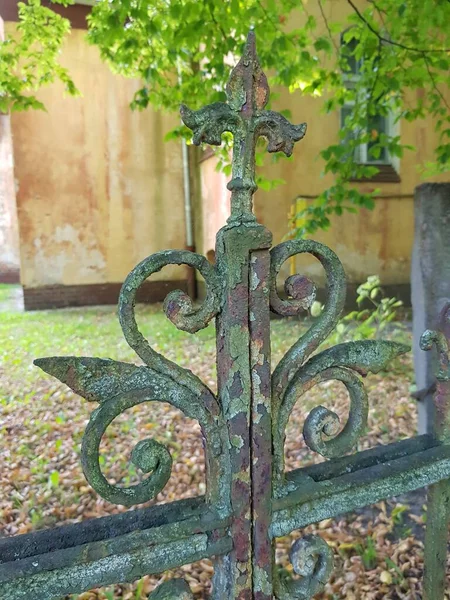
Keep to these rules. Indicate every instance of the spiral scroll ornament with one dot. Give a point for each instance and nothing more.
(295, 374)
(150, 456)
(440, 340)
(302, 296)
(177, 306)
(322, 425)
(312, 560)
(118, 386)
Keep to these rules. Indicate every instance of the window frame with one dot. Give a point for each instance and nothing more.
(390, 165)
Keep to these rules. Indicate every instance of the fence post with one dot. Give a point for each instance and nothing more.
(438, 513)
(430, 285)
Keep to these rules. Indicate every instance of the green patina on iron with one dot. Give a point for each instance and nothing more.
(249, 499)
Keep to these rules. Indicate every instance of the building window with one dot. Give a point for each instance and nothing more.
(368, 152)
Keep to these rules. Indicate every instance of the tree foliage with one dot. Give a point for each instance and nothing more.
(399, 50)
(30, 59)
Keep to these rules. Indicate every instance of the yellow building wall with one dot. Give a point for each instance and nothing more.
(98, 189)
(377, 241)
(369, 242)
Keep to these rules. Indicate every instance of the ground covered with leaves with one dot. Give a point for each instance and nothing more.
(378, 551)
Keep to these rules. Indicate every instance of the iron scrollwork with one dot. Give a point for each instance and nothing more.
(312, 559)
(295, 374)
(439, 339)
(243, 478)
(118, 386)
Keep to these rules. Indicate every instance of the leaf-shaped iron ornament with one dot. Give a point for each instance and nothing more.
(117, 387)
(244, 116)
(244, 423)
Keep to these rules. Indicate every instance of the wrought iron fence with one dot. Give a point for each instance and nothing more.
(250, 499)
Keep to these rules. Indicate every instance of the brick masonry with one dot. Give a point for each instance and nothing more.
(63, 296)
(8, 275)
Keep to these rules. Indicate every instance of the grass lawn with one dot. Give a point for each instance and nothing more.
(42, 423)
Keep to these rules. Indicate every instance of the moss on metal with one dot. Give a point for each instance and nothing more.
(249, 500)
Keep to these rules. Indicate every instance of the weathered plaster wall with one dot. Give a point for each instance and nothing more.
(9, 236)
(370, 242)
(215, 206)
(98, 188)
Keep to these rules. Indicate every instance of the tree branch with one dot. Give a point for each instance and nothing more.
(268, 17)
(375, 81)
(380, 13)
(387, 40)
(433, 81)
(333, 41)
(214, 20)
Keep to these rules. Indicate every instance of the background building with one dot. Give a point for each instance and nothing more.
(94, 188)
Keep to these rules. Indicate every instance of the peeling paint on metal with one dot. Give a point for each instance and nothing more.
(250, 499)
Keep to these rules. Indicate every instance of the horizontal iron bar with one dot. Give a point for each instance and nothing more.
(124, 567)
(101, 529)
(182, 532)
(357, 488)
(75, 558)
(94, 551)
(367, 458)
(93, 530)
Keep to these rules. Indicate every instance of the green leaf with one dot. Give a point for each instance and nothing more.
(54, 479)
(322, 44)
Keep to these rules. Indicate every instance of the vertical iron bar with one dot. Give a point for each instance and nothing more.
(243, 348)
(261, 429)
(436, 539)
(236, 376)
(243, 325)
(438, 513)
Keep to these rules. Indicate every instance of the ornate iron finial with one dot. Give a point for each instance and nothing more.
(247, 88)
(244, 116)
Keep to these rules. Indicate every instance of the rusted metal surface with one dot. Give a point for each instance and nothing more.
(250, 500)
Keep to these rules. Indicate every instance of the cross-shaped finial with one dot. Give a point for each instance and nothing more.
(243, 116)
